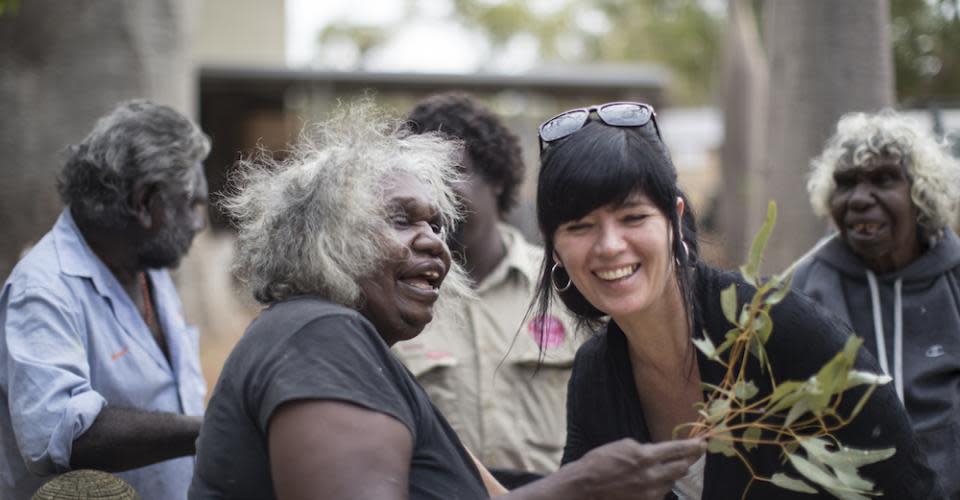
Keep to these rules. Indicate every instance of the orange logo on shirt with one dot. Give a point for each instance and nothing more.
(117, 355)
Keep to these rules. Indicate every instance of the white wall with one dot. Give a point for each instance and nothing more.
(240, 32)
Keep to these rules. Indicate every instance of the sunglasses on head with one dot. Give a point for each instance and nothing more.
(615, 114)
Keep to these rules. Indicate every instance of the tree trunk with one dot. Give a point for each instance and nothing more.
(64, 64)
(745, 81)
(826, 58)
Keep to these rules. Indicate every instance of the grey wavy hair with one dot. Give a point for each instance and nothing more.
(863, 138)
(138, 142)
(315, 223)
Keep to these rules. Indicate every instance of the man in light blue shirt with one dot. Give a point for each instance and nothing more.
(98, 368)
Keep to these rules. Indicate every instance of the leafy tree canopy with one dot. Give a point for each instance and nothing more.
(926, 50)
(681, 35)
(684, 36)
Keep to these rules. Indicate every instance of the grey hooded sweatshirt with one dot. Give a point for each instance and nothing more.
(910, 321)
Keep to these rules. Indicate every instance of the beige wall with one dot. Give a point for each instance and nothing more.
(244, 32)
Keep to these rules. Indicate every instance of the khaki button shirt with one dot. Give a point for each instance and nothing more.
(483, 375)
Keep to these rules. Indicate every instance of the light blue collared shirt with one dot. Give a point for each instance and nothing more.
(72, 342)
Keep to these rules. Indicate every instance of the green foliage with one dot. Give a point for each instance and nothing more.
(363, 37)
(797, 416)
(679, 34)
(925, 36)
(9, 7)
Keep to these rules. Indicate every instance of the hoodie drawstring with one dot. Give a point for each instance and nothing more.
(897, 331)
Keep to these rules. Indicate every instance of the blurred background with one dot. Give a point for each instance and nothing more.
(746, 92)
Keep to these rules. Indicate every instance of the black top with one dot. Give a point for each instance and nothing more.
(306, 348)
(603, 403)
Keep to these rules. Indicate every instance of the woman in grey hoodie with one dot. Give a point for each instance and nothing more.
(892, 270)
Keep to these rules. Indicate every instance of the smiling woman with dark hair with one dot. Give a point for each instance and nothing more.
(893, 269)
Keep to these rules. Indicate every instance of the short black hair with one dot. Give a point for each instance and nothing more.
(494, 149)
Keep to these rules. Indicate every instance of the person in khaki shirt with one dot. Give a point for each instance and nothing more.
(502, 388)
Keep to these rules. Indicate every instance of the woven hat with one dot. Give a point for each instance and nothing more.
(86, 484)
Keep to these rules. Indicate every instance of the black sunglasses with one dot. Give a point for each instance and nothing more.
(615, 114)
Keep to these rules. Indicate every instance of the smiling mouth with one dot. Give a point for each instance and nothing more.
(429, 280)
(615, 274)
(867, 229)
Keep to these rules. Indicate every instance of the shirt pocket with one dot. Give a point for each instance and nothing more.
(434, 370)
(540, 392)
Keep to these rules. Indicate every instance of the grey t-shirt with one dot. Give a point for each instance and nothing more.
(306, 348)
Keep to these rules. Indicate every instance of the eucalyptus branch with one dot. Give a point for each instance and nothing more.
(798, 417)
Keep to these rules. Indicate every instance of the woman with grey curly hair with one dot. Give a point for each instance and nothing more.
(892, 270)
(343, 241)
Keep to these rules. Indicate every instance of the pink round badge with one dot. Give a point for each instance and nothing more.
(547, 331)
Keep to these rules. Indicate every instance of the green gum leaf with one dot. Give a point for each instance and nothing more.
(706, 347)
(851, 479)
(785, 395)
(788, 483)
(718, 409)
(858, 457)
(756, 348)
(728, 341)
(752, 268)
(820, 475)
(748, 276)
(817, 474)
(851, 347)
(728, 302)
(817, 452)
(782, 290)
(744, 319)
(751, 434)
(723, 446)
(711, 387)
(799, 408)
(763, 325)
(832, 377)
(857, 377)
(745, 390)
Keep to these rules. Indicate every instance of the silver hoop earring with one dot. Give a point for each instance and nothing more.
(553, 279)
(686, 254)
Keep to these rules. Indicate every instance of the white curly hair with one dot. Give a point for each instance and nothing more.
(316, 222)
(863, 138)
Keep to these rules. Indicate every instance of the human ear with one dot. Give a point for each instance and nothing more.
(139, 204)
(680, 207)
